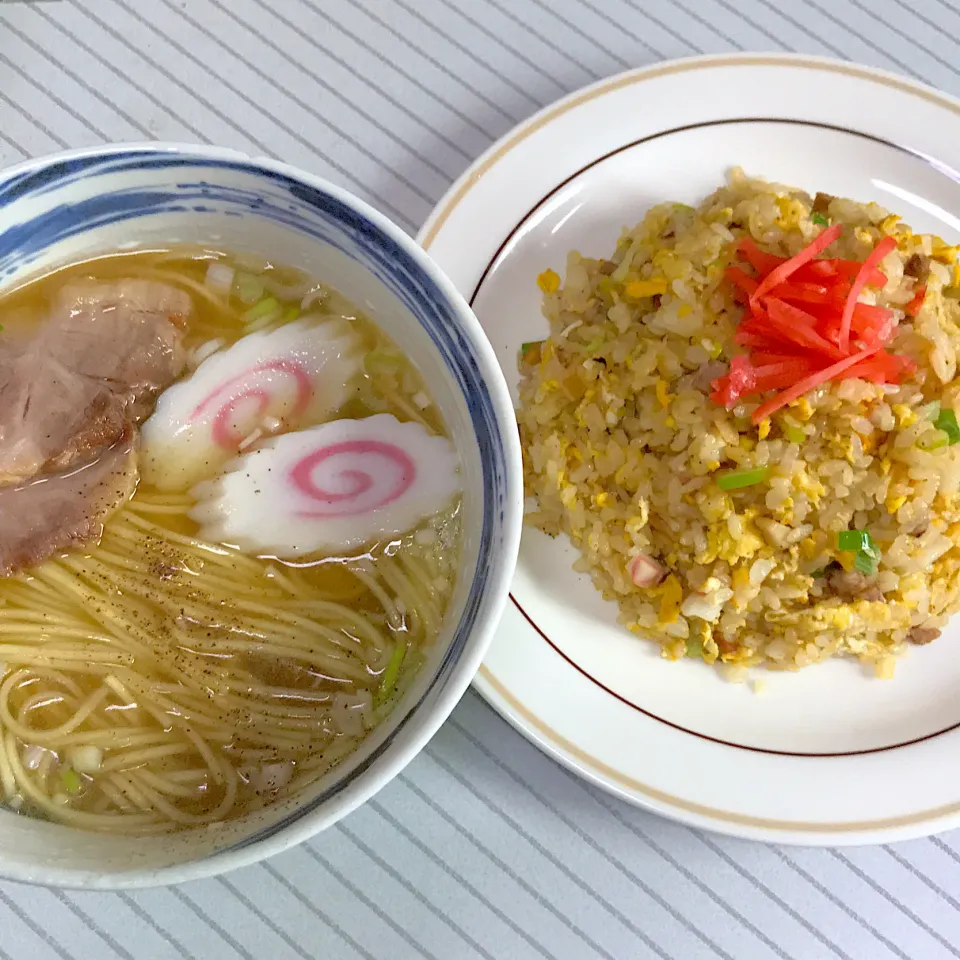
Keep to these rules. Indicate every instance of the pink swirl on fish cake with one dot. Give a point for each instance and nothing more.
(373, 475)
(222, 432)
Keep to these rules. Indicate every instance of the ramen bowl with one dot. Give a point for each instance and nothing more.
(82, 205)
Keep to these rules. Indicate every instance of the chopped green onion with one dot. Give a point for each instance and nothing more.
(260, 310)
(857, 540)
(72, 781)
(947, 430)
(820, 219)
(933, 441)
(596, 344)
(947, 422)
(819, 573)
(735, 479)
(695, 649)
(388, 680)
(851, 539)
(794, 434)
(248, 288)
(866, 552)
(291, 314)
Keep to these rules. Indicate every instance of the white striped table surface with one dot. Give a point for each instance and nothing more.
(483, 848)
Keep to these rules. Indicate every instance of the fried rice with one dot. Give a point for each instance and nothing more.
(624, 446)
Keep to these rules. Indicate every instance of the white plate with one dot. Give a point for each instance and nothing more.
(827, 755)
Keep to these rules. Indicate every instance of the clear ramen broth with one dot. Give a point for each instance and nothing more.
(196, 646)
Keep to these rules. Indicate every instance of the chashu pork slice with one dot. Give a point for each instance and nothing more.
(49, 514)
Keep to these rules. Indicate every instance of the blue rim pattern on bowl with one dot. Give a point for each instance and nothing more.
(324, 217)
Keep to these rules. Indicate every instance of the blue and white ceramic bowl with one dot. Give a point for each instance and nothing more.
(79, 205)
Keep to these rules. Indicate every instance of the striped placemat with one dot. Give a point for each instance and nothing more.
(483, 848)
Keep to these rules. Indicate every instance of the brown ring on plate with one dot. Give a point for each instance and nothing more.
(483, 276)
